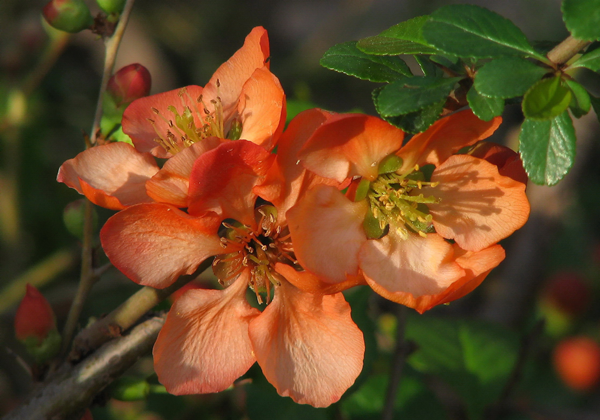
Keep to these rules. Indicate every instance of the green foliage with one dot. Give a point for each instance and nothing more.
(547, 148)
(472, 357)
(46, 350)
(403, 38)
(546, 99)
(589, 60)
(582, 18)
(485, 108)
(580, 100)
(507, 77)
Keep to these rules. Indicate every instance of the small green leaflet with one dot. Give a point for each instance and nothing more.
(483, 107)
(507, 77)
(546, 99)
(547, 148)
(403, 38)
(348, 59)
(589, 60)
(580, 101)
(582, 18)
(472, 31)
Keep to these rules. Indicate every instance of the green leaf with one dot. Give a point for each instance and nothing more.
(474, 358)
(507, 77)
(546, 99)
(580, 101)
(483, 107)
(547, 148)
(403, 38)
(472, 31)
(589, 60)
(409, 95)
(428, 67)
(348, 59)
(582, 18)
(596, 105)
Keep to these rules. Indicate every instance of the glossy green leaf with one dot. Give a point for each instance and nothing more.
(348, 59)
(484, 107)
(547, 148)
(409, 95)
(428, 67)
(589, 60)
(472, 31)
(580, 101)
(546, 99)
(582, 18)
(507, 77)
(403, 38)
(474, 358)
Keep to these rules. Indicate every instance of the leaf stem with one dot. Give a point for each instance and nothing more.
(566, 50)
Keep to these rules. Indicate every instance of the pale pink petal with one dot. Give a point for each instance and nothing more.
(154, 244)
(262, 109)
(478, 206)
(222, 180)
(327, 233)
(171, 183)
(112, 175)
(204, 345)
(136, 117)
(348, 145)
(308, 346)
(444, 138)
(409, 271)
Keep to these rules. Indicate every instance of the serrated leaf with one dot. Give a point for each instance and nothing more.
(507, 77)
(582, 18)
(483, 107)
(547, 148)
(580, 101)
(589, 60)
(546, 99)
(409, 95)
(472, 31)
(474, 358)
(428, 67)
(348, 59)
(403, 38)
(413, 122)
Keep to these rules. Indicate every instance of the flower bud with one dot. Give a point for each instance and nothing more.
(111, 6)
(68, 15)
(35, 325)
(129, 83)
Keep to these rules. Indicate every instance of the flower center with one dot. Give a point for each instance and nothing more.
(257, 250)
(194, 123)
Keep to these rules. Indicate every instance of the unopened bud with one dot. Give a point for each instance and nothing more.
(111, 6)
(68, 15)
(129, 83)
(35, 325)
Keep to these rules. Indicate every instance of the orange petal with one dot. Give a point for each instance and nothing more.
(478, 206)
(308, 282)
(327, 233)
(136, 117)
(171, 183)
(222, 180)
(409, 271)
(113, 175)
(444, 138)
(204, 345)
(262, 109)
(507, 160)
(308, 346)
(154, 244)
(349, 145)
(233, 74)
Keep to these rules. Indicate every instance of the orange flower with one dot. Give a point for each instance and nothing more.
(304, 340)
(394, 224)
(243, 100)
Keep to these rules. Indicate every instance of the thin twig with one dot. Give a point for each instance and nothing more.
(400, 352)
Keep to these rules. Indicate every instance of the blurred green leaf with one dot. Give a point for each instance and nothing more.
(589, 60)
(547, 148)
(596, 105)
(428, 67)
(546, 99)
(580, 101)
(472, 31)
(507, 77)
(473, 357)
(409, 95)
(403, 38)
(483, 107)
(348, 59)
(582, 18)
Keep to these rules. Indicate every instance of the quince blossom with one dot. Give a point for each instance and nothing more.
(418, 240)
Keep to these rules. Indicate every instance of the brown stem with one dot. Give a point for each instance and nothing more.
(566, 50)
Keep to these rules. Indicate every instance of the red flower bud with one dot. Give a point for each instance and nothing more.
(68, 15)
(129, 83)
(34, 317)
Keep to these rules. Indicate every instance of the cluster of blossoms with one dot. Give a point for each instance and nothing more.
(342, 203)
